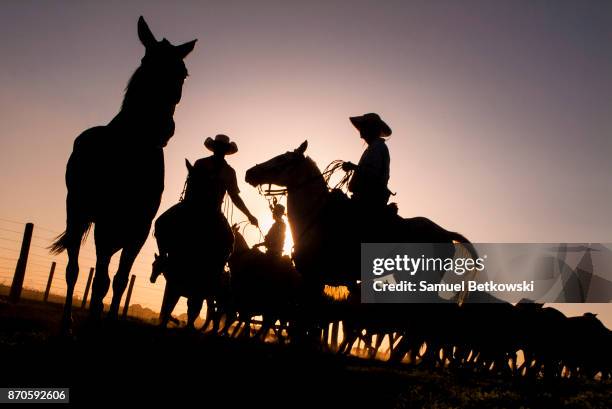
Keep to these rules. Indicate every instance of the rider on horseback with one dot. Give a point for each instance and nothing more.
(275, 239)
(208, 181)
(369, 181)
(212, 177)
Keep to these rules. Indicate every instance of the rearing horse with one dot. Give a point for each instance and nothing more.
(115, 174)
(322, 238)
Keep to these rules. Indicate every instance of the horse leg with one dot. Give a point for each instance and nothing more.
(379, 340)
(325, 336)
(194, 306)
(236, 330)
(72, 273)
(266, 324)
(171, 298)
(217, 312)
(128, 255)
(100, 284)
(229, 317)
(211, 316)
(347, 344)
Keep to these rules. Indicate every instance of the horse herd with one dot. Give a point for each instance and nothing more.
(526, 339)
(115, 181)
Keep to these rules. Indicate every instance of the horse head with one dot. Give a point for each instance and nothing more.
(282, 170)
(156, 86)
(163, 62)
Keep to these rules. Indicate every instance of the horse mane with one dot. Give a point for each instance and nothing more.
(135, 88)
(312, 167)
(311, 162)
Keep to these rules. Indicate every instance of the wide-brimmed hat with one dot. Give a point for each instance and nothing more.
(372, 122)
(221, 142)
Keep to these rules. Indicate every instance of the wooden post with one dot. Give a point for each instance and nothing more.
(86, 293)
(20, 269)
(128, 296)
(51, 272)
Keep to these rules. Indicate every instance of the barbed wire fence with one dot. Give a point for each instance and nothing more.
(43, 275)
(39, 266)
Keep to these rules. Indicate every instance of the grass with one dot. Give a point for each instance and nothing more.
(116, 362)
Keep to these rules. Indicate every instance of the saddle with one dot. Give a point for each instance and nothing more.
(352, 219)
(189, 233)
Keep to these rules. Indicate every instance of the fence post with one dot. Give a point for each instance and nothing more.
(20, 269)
(86, 293)
(51, 272)
(128, 296)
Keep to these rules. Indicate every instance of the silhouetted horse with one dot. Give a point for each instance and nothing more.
(262, 285)
(326, 241)
(216, 295)
(115, 175)
(585, 347)
(198, 247)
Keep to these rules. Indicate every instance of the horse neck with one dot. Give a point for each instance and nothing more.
(144, 94)
(305, 200)
(148, 107)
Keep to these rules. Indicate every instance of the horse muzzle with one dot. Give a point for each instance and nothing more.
(251, 177)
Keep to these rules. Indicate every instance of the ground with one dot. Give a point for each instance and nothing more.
(111, 363)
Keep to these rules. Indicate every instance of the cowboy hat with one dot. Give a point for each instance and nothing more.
(221, 142)
(371, 121)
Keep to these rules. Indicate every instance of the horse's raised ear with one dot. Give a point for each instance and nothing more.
(188, 165)
(144, 33)
(302, 148)
(184, 49)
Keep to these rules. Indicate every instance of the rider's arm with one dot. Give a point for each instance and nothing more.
(240, 205)
(234, 194)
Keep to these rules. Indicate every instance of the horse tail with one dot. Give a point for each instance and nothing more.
(460, 238)
(78, 223)
(75, 233)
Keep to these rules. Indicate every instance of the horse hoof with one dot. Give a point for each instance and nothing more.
(112, 316)
(95, 312)
(66, 325)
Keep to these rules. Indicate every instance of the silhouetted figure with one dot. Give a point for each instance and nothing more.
(212, 177)
(115, 175)
(371, 175)
(194, 237)
(327, 243)
(274, 240)
(262, 285)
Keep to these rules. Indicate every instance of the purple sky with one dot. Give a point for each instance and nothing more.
(501, 110)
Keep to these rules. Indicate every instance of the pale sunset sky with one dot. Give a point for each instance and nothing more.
(501, 110)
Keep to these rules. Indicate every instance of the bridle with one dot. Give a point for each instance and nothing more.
(326, 174)
(272, 195)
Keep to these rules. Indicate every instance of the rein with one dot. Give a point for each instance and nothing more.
(326, 174)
